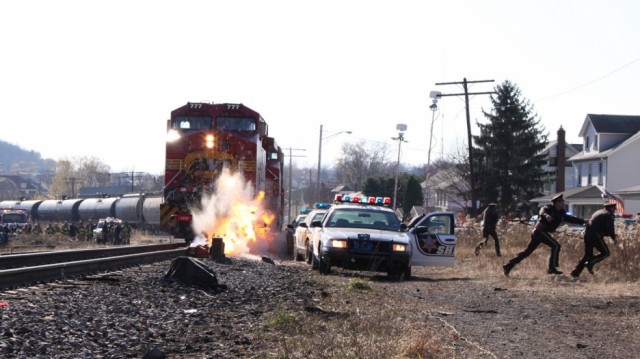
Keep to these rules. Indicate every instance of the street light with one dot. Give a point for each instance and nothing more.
(320, 156)
(401, 127)
(435, 95)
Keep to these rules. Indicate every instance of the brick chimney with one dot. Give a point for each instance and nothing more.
(560, 160)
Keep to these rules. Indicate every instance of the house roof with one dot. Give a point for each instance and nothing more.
(574, 193)
(576, 147)
(606, 153)
(629, 190)
(611, 124)
(342, 188)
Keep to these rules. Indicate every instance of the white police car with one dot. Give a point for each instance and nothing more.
(303, 232)
(365, 234)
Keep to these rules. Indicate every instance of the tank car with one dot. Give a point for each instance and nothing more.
(54, 210)
(92, 209)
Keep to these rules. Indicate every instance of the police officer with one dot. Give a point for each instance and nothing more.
(489, 223)
(600, 225)
(549, 219)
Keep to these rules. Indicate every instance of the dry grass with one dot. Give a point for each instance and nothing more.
(46, 242)
(357, 319)
(622, 266)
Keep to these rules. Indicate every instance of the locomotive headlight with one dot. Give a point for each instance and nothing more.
(209, 141)
(172, 135)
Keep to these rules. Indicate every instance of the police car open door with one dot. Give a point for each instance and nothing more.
(433, 239)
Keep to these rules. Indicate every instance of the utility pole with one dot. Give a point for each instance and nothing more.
(72, 181)
(133, 179)
(434, 108)
(318, 186)
(290, 167)
(466, 94)
(401, 127)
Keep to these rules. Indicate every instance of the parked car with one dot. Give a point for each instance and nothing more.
(291, 228)
(365, 234)
(303, 234)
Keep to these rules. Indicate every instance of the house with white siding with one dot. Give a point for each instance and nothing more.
(609, 162)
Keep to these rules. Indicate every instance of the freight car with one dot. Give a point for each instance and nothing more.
(141, 211)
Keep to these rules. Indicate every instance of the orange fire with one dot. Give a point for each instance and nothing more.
(233, 214)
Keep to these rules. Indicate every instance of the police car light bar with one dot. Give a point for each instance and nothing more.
(319, 205)
(380, 201)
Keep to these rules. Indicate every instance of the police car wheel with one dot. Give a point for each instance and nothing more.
(324, 267)
(309, 254)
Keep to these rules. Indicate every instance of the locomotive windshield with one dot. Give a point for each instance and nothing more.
(236, 124)
(192, 122)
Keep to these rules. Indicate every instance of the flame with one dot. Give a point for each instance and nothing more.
(233, 213)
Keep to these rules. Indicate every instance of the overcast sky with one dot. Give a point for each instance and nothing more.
(89, 78)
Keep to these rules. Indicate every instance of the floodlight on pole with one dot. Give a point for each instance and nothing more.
(401, 128)
(320, 156)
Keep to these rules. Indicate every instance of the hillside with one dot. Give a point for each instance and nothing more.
(16, 160)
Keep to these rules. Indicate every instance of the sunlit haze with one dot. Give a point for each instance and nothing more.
(100, 79)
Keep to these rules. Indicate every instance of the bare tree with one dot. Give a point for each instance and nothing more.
(361, 160)
(72, 173)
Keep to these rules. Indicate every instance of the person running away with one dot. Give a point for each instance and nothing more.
(600, 224)
(549, 218)
(489, 222)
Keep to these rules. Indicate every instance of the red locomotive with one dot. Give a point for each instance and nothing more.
(204, 139)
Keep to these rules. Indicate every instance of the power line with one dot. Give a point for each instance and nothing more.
(589, 82)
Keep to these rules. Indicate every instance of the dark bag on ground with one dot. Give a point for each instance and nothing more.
(191, 271)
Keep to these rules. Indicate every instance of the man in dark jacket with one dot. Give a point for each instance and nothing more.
(489, 223)
(549, 219)
(600, 225)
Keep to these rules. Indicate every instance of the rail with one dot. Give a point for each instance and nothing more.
(16, 277)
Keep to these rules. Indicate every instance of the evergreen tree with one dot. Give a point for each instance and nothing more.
(412, 196)
(507, 153)
(381, 186)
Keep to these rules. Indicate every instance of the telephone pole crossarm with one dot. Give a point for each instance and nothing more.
(466, 94)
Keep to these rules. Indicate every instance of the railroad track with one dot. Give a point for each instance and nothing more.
(27, 269)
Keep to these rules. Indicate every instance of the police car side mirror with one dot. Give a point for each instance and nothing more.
(403, 227)
(303, 225)
(290, 226)
(316, 224)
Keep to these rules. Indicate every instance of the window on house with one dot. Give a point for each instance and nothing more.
(553, 161)
(600, 175)
(595, 142)
(589, 174)
(579, 181)
(586, 143)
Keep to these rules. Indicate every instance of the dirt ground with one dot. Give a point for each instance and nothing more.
(523, 316)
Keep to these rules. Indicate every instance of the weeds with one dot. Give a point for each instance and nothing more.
(359, 284)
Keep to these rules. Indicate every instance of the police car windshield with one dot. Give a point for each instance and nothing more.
(364, 218)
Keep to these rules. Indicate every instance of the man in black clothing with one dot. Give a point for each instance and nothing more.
(600, 225)
(489, 223)
(549, 219)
